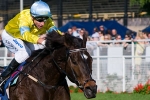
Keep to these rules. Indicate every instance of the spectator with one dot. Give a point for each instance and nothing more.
(102, 29)
(148, 35)
(101, 36)
(70, 31)
(108, 32)
(118, 37)
(74, 31)
(113, 34)
(86, 32)
(140, 47)
(90, 47)
(107, 37)
(81, 33)
(95, 30)
(127, 37)
(132, 34)
(95, 35)
(89, 38)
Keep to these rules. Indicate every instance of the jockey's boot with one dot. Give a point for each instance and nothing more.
(7, 72)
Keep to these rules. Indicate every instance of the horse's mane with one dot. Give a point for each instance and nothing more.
(54, 41)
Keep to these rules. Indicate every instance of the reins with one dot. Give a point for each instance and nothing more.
(31, 77)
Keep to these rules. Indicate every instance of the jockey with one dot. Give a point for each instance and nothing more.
(25, 33)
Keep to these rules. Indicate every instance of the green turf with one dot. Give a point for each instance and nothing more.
(111, 96)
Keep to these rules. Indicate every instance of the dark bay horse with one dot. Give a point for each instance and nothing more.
(43, 77)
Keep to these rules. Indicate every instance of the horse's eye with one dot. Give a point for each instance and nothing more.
(73, 60)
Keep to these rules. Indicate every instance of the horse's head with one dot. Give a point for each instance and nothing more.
(80, 65)
(79, 62)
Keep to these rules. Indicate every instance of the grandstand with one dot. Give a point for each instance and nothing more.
(100, 8)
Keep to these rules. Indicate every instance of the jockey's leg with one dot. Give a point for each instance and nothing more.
(10, 68)
(19, 48)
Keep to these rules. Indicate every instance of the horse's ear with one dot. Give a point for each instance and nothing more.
(84, 40)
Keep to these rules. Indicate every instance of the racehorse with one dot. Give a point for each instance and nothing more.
(44, 74)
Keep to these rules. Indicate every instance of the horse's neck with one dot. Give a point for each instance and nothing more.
(53, 67)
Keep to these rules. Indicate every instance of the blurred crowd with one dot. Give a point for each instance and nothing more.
(105, 37)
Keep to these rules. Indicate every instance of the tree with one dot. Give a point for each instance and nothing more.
(144, 5)
(139, 2)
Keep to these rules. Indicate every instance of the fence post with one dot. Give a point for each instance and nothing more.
(123, 74)
(98, 62)
(5, 61)
(132, 60)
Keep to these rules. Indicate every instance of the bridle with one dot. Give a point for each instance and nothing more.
(75, 78)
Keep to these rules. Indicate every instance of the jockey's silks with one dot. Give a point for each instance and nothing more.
(22, 27)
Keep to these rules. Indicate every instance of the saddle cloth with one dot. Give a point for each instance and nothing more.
(11, 81)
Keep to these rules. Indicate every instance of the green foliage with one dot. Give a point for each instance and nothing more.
(144, 6)
(111, 96)
(109, 91)
(142, 89)
(71, 87)
(74, 89)
(139, 2)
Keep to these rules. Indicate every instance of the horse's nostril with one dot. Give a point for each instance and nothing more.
(90, 92)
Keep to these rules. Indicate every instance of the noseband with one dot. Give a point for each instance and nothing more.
(77, 50)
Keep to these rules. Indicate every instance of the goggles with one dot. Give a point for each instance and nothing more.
(41, 19)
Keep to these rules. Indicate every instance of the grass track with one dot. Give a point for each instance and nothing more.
(111, 96)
